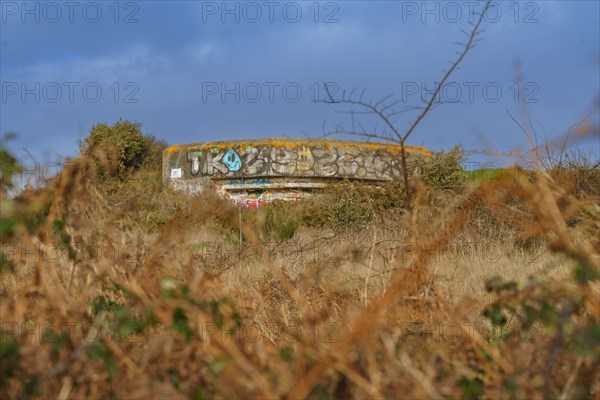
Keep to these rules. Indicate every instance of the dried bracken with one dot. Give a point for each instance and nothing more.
(490, 290)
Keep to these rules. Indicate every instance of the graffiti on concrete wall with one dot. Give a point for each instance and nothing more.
(299, 161)
(255, 199)
(252, 173)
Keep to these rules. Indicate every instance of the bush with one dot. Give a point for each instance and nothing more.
(341, 207)
(349, 214)
(444, 170)
(351, 208)
(348, 205)
(9, 164)
(578, 174)
(280, 221)
(125, 138)
(153, 153)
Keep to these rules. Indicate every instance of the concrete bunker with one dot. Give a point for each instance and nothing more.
(254, 172)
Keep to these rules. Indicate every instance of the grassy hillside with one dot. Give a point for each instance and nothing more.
(479, 288)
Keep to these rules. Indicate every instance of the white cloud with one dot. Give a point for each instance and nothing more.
(132, 64)
(201, 51)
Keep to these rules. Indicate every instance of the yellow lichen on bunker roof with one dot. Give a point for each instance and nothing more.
(294, 143)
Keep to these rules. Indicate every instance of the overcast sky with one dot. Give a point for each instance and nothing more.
(196, 71)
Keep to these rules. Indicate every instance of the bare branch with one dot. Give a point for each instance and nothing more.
(456, 63)
(391, 105)
(383, 100)
(386, 111)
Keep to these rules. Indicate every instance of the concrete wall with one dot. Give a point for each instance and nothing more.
(282, 163)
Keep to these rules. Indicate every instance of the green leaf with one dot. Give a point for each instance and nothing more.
(548, 314)
(100, 303)
(585, 273)
(32, 387)
(495, 315)
(99, 352)
(10, 355)
(180, 324)
(472, 389)
(5, 263)
(286, 353)
(531, 315)
(169, 288)
(586, 341)
(57, 340)
(173, 378)
(7, 227)
(216, 366)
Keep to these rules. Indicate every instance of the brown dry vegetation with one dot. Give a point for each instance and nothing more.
(122, 289)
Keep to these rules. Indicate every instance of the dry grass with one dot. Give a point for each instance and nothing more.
(129, 293)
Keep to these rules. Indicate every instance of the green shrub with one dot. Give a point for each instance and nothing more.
(341, 207)
(153, 153)
(444, 170)
(124, 138)
(280, 221)
(350, 207)
(8, 164)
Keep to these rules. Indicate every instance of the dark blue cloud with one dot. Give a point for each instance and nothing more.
(189, 71)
